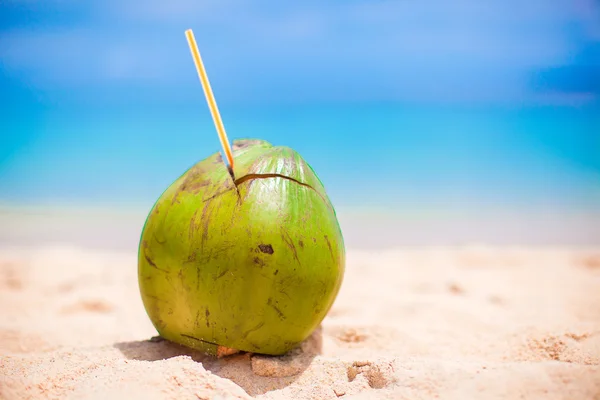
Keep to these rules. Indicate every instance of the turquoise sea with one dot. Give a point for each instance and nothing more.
(368, 155)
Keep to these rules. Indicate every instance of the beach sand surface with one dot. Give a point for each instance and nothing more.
(417, 323)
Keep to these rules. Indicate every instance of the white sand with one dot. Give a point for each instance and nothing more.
(451, 323)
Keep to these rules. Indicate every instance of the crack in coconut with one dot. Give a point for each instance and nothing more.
(250, 177)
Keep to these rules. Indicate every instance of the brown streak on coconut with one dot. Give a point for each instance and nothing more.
(205, 219)
(193, 225)
(274, 307)
(156, 298)
(152, 264)
(157, 241)
(222, 274)
(288, 240)
(243, 143)
(200, 340)
(218, 194)
(283, 292)
(193, 186)
(249, 331)
(192, 257)
(330, 249)
(197, 278)
(197, 320)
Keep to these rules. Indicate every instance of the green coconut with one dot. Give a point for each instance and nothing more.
(251, 264)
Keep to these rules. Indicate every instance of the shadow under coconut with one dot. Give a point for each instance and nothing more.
(255, 373)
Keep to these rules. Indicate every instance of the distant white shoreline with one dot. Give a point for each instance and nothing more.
(363, 228)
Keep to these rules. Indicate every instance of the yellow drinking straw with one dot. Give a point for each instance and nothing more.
(210, 98)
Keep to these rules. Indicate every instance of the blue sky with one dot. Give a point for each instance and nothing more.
(264, 51)
(493, 102)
